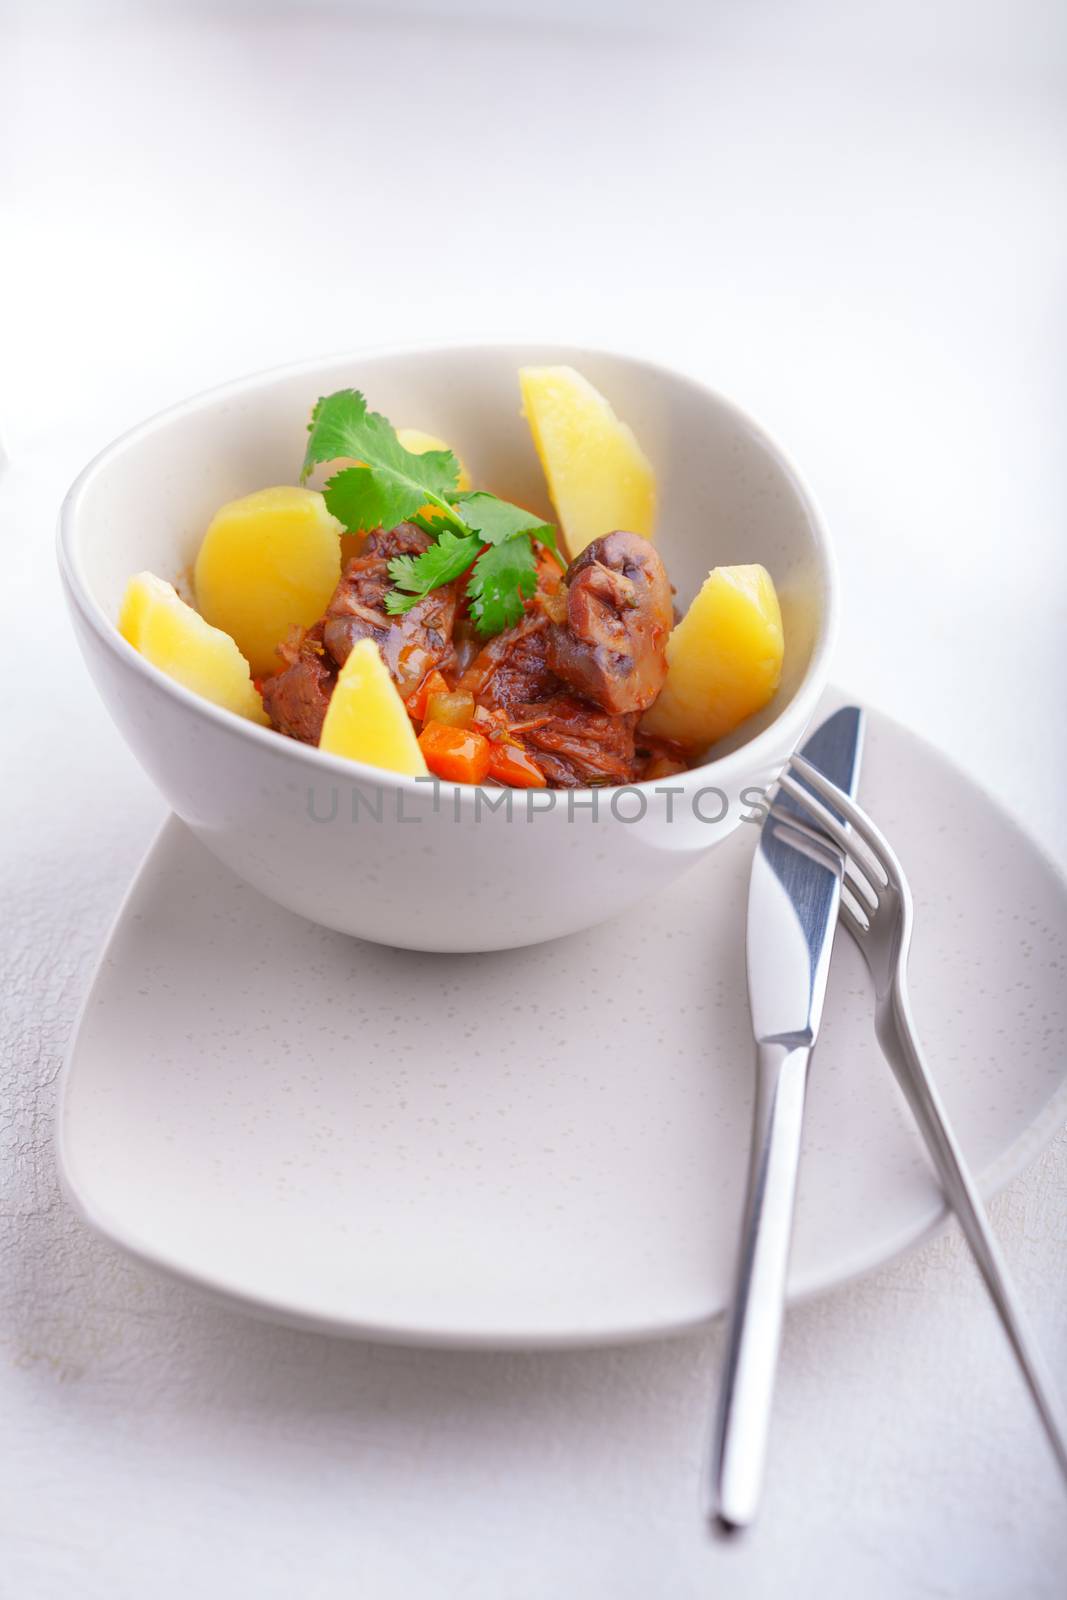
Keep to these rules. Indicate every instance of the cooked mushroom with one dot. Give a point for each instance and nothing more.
(612, 646)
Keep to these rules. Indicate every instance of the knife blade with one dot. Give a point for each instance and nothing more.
(794, 893)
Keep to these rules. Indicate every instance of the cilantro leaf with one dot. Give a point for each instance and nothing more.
(391, 483)
(341, 425)
(436, 524)
(360, 500)
(503, 576)
(497, 520)
(447, 559)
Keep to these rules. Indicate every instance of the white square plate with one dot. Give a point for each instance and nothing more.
(543, 1146)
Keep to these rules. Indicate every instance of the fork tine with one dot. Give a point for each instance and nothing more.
(851, 844)
(855, 916)
(861, 888)
(872, 836)
(809, 841)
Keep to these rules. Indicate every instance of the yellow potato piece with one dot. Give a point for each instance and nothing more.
(724, 658)
(177, 640)
(418, 443)
(598, 475)
(268, 563)
(366, 719)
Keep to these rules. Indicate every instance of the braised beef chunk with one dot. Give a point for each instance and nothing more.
(576, 745)
(612, 646)
(573, 742)
(512, 669)
(568, 681)
(296, 697)
(410, 644)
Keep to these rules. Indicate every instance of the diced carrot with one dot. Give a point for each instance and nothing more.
(433, 683)
(459, 755)
(510, 764)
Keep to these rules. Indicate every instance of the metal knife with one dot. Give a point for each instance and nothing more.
(793, 901)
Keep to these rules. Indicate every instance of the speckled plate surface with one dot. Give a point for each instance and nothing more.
(543, 1146)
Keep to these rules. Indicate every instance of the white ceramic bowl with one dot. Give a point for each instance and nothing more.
(398, 860)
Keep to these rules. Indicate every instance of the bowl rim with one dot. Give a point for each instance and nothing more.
(754, 752)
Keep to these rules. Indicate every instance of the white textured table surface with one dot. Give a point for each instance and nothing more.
(852, 221)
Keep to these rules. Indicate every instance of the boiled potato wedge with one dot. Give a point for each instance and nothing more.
(724, 659)
(598, 476)
(268, 563)
(177, 640)
(366, 719)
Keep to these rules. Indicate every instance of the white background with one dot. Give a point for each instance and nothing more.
(849, 217)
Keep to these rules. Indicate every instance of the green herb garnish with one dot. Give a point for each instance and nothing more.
(496, 520)
(415, 576)
(503, 576)
(393, 485)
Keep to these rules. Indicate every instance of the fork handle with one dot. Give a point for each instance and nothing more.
(755, 1326)
(900, 1044)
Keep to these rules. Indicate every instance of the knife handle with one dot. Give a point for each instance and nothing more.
(755, 1324)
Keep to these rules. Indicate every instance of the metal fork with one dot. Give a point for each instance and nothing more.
(877, 909)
